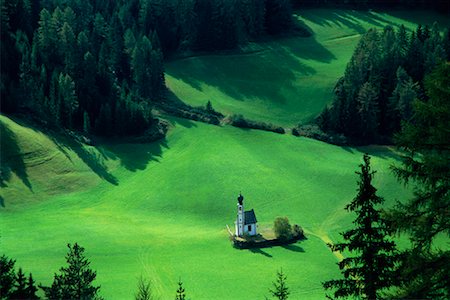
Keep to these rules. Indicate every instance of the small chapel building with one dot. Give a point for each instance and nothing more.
(246, 220)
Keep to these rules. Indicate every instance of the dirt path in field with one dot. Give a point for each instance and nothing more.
(345, 37)
(326, 239)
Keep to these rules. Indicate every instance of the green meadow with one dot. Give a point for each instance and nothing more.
(160, 210)
(287, 80)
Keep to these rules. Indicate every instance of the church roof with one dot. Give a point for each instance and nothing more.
(250, 217)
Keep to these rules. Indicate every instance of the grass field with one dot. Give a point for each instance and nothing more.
(288, 80)
(163, 209)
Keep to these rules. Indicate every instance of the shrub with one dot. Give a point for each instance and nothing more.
(241, 122)
(297, 231)
(313, 131)
(282, 228)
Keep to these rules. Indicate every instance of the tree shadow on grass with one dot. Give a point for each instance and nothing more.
(260, 251)
(134, 157)
(87, 154)
(263, 75)
(345, 18)
(422, 16)
(2, 202)
(383, 152)
(11, 158)
(293, 247)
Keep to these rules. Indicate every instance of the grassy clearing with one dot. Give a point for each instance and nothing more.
(161, 209)
(165, 212)
(288, 80)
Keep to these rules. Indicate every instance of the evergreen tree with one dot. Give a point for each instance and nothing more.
(67, 99)
(86, 122)
(104, 121)
(144, 290)
(31, 289)
(415, 58)
(47, 38)
(141, 65)
(367, 110)
(76, 280)
(20, 291)
(7, 276)
(367, 274)
(209, 107)
(181, 294)
(280, 289)
(406, 91)
(278, 16)
(425, 267)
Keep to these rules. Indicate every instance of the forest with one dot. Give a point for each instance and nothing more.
(381, 82)
(98, 66)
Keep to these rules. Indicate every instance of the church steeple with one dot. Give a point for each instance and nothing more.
(240, 220)
(240, 199)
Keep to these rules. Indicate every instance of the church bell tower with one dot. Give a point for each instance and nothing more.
(240, 216)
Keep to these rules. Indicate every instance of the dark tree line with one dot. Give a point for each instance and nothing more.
(383, 78)
(97, 66)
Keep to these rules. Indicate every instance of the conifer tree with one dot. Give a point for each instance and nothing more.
(144, 290)
(7, 276)
(367, 111)
(181, 295)
(76, 280)
(86, 123)
(425, 267)
(280, 289)
(31, 289)
(372, 269)
(20, 291)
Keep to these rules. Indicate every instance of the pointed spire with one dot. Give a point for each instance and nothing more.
(240, 198)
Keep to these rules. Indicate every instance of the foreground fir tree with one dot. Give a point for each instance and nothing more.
(280, 290)
(15, 286)
(425, 268)
(31, 289)
(74, 281)
(181, 295)
(7, 276)
(21, 286)
(144, 290)
(371, 269)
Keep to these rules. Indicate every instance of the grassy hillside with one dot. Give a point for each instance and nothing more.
(288, 80)
(161, 209)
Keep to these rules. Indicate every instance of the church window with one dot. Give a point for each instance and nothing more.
(249, 227)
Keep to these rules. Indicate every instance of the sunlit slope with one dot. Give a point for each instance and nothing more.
(287, 80)
(35, 165)
(163, 209)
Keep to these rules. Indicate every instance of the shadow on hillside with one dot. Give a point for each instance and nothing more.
(422, 16)
(2, 202)
(293, 247)
(382, 152)
(241, 77)
(345, 18)
(11, 158)
(86, 154)
(134, 157)
(260, 251)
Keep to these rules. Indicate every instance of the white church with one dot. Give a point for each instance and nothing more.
(246, 220)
